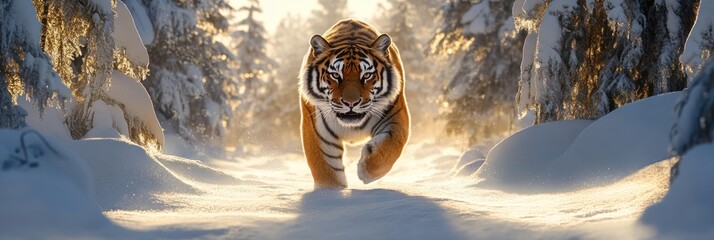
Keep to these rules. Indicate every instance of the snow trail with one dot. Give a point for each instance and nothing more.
(420, 198)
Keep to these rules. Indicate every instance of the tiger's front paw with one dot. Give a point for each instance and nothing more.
(367, 173)
(363, 173)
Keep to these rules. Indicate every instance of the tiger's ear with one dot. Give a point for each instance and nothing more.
(382, 43)
(319, 45)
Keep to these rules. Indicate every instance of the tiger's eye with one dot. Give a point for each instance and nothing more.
(335, 76)
(367, 76)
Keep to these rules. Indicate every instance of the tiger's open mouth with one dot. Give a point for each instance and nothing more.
(351, 116)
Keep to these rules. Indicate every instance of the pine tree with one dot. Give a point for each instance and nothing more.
(254, 70)
(253, 62)
(584, 59)
(402, 20)
(79, 38)
(330, 12)
(484, 47)
(280, 118)
(24, 67)
(191, 80)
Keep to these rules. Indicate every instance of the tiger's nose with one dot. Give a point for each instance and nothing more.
(351, 104)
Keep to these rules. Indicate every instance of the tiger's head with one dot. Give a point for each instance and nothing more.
(351, 81)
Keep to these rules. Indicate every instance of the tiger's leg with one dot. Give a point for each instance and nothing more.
(388, 139)
(324, 156)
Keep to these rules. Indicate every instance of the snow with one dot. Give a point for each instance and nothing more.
(271, 196)
(528, 5)
(616, 17)
(580, 153)
(104, 5)
(517, 9)
(50, 200)
(141, 19)
(132, 94)
(50, 122)
(518, 160)
(687, 211)
(694, 111)
(578, 179)
(547, 55)
(525, 81)
(126, 36)
(638, 132)
(25, 16)
(107, 121)
(699, 44)
(479, 18)
(125, 176)
(674, 21)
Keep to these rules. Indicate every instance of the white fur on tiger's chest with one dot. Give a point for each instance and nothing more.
(350, 135)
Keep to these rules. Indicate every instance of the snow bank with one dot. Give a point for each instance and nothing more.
(125, 175)
(46, 190)
(518, 160)
(621, 142)
(687, 211)
(195, 170)
(564, 155)
(469, 162)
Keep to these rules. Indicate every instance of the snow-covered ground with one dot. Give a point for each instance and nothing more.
(111, 188)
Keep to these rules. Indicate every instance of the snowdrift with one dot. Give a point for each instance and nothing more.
(125, 176)
(518, 160)
(53, 189)
(46, 190)
(687, 211)
(568, 155)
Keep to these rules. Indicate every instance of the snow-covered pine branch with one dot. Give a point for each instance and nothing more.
(700, 42)
(695, 113)
(24, 67)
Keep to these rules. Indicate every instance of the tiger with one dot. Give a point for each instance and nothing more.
(351, 88)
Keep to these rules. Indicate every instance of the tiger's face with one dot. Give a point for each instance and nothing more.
(351, 81)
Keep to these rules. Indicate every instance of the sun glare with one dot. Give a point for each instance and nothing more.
(274, 10)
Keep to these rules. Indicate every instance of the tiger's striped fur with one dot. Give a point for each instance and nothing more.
(351, 91)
